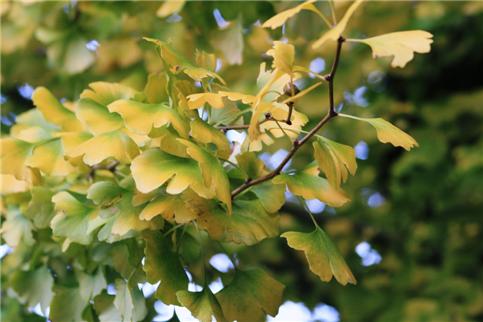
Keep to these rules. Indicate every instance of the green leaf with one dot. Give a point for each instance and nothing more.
(204, 133)
(230, 42)
(105, 309)
(17, 229)
(104, 192)
(322, 255)
(251, 165)
(203, 305)
(96, 117)
(155, 89)
(54, 111)
(248, 224)
(335, 160)
(213, 173)
(129, 301)
(115, 144)
(271, 196)
(250, 296)
(91, 285)
(40, 208)
(49, 158)
(33, 287)
(154, 167)
(311, 186)
(74, 220)
(162, 264)
(67, 305)
(142, 118)
(387, 132)
(172, 208)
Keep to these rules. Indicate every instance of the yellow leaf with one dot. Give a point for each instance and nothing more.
(279, 19)
(49, 158)
(335, 160)
(115, 144)
(402, 45)
(204, 133)
(154, 167)
(9, 184)
(54, 111)
(105, 93)
(142, 117)
(283, 56)
(387, 132)
(13, 156)
(199, 100)
(198, 74)
(170, 7)
(234, 96)
(322, 255)
(172, 208)
(213, 173)
(336, 32)
(96, 117)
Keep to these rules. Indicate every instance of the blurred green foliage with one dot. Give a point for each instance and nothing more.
(428, 229)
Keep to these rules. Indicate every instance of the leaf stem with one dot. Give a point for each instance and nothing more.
(297, 144)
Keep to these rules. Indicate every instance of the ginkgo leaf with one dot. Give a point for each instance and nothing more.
(96, 117)
(249, 223)
(172, 208)
(10, 184)
(251, 295)
(387, 132)
(170, 7)
(54, 111)
(235, 96)
(122, 221)
(163, 265)
(74, 220)
(17, 229)
(40, 208)
(142, 118)
(105, 93)
(104, 192)
(67, 304)
(279, 19)
(311, 186)
(154, 167)
(129, 301)
(322, 255)
(283, 56)
(203, 305)
(167, 140)
(204, 133)
(115, 144)
(49, 158)
(271, 196)
(252, 166)
(229, 41)
(199, 100)
(334, 33)
(213, 173)
(155, 89)
(335, 160)
(13, 155)
(402, 45)
(198, 74)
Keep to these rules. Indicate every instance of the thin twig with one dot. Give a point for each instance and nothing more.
(297, 144)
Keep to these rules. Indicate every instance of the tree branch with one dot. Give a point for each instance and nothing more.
(297, 144)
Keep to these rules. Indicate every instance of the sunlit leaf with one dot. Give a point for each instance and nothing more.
(279, 19)
(49, 158)
(115, 144)
(322, 255)
(402, 45)
(105, 93)
(17, 229)
(212, 171)
(170, 7)
(311, 186)
(334, 33)
(13, 155)
(283, 56)
(251, 295)
(142, 117)
(96, 117)
(54, 111)
(204, 133)
(10, 184)
(172, 208)
(162, 264)
(335, 160)
(199, 100)
(388, 133)
(154, 167)
(34, 287)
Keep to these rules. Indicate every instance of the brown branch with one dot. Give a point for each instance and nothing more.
(297, 144)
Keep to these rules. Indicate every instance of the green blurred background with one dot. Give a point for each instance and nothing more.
(413, 231)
